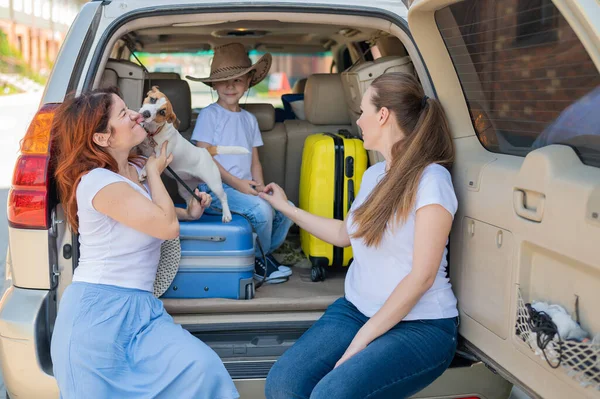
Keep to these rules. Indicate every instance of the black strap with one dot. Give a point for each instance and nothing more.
(362, 58)
(146, 72)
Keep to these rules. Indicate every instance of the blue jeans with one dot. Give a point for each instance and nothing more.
(270, 225)
(396, 365)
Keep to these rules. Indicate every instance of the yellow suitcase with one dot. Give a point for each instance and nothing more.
(330, 177)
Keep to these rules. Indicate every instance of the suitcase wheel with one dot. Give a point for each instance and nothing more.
(317, 273)
(249, 291)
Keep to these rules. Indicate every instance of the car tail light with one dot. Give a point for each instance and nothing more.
(28, 196)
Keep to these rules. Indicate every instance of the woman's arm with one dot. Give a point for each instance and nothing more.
(194, 209)
(182, 214)
(329, 230)
(124, 204)
(432, 227)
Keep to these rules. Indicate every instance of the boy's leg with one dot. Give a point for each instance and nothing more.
(281, 227)
(260, 214)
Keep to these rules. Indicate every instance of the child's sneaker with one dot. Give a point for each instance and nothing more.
(286, 270)
(276, 273)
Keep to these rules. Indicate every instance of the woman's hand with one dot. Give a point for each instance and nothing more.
(160, 163)
(275, 196)
(352, 350)
(246, 186)
(196, 208)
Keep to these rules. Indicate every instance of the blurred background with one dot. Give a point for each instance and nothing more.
(31, 33)
(286, 69)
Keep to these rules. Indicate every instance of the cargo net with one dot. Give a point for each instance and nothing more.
(579, 359)
(168, 265)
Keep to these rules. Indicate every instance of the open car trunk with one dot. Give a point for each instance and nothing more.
(249, 335)
(331, 104)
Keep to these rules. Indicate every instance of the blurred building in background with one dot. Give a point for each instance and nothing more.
(32, 33)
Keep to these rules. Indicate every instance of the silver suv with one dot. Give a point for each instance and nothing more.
(519, 82)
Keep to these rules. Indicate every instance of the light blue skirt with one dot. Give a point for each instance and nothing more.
(114, 342)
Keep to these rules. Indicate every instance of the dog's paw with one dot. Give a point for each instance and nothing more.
(226, 217)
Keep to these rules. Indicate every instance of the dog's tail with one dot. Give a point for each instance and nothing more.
(223, 149)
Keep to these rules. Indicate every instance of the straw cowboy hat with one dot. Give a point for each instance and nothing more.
(231, 61)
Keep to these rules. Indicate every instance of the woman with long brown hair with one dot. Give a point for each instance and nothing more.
(112, 338)
(395, 330)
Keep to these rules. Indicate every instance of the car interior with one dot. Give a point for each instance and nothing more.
(331, 103)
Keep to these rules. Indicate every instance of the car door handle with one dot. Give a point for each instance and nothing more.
(523, 211)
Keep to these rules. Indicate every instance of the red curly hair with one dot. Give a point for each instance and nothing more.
(74, 152)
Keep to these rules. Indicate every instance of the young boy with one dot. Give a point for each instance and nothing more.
(225, 123)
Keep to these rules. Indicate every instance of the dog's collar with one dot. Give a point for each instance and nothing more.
(153, 142)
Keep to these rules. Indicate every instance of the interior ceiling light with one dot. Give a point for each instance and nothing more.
(239, 32)
(348, 32)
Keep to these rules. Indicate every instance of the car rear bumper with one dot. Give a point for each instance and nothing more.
(24, 344)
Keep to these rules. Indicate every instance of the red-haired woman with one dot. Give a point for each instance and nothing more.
(112, 337)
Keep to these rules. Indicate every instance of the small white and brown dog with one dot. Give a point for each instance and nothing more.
(193, 164)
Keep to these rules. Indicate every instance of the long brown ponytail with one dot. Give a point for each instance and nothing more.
(427, 140)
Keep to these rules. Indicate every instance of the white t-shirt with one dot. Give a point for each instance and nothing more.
(376, 271)
(219, 126)
(112, 253)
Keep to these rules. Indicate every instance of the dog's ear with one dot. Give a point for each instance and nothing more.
(154, 89)
(172, 118)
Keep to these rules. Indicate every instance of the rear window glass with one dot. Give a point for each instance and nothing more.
(286, 70)
(526, 76)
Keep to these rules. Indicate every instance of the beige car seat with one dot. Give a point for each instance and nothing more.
(357, 79)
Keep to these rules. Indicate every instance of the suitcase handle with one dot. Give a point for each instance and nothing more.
(345, 133)
(204, 238)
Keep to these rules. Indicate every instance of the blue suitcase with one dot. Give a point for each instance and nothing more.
(217, 260)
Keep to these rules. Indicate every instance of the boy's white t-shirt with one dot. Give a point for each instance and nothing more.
(376, 271)
(219, 126)
(110, 252)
